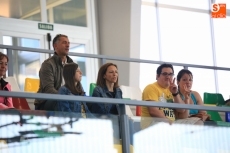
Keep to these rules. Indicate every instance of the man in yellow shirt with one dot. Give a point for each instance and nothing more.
(163, 90)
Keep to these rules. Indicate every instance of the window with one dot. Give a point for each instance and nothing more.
(67, 12)
(25, 64)
(222, 45)
(147, 74)
(149, 34)
(23, 9)
(198, 4)
(224, 82)
(203, 80)
(185, 37)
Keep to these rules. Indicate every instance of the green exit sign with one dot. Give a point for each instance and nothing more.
(45, 26)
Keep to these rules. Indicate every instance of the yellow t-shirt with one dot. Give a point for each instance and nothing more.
(153, 92)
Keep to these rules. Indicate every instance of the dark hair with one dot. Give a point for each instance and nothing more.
(100, 77)
(69, 71)
(3, 55)
(57, 38)
(182, 72)
(159, 69)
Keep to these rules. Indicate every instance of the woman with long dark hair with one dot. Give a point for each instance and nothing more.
(185, 81)
(107, 87)
(72, 77)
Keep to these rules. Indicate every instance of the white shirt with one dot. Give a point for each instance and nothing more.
(63, 63)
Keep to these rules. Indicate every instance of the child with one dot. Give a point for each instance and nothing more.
(72, 76)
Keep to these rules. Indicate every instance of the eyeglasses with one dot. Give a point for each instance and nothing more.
(167, 74)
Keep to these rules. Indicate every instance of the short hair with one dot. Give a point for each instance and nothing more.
(100, 77)
(57, 38)
(182, 72)
(3, 55)
(159, 69)
(69, 71)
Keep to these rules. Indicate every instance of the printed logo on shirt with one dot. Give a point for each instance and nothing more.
(169, 113)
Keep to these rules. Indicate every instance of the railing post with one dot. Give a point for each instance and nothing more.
(10, 63)
(125, 135)
(103, 61)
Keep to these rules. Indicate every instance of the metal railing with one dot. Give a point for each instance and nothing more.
(124, 121)
(122, 103)
(103, 58)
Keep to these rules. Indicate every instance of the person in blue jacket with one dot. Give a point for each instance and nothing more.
(107, 87)
(72, 77)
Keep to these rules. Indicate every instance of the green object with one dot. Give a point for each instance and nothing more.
(214, 99)
(91, 88)
(42, 133)
(45, 26)
(215, 116)
(221, 123)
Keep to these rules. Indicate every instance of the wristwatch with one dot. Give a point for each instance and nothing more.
(175, 94)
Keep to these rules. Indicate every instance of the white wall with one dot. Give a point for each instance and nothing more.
(119, 35)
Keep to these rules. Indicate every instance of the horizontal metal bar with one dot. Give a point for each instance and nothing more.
(113, 58)
(182, 8)
(110, 101)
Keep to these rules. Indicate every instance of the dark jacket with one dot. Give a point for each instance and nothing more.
(105, 108)
(71, 106)
(50, 76)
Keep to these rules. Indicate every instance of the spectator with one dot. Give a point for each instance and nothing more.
(164, 90)
(50, 73)
(5, 102)
(72, 76)
(107, 87)
(185, 81)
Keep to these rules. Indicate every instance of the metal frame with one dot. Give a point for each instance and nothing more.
(124, 121)
(104, 58)
(110, 101)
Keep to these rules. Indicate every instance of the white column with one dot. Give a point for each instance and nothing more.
(119, 35)
(43, 11)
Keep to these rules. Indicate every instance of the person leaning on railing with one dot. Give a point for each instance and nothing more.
(72, 75)
(5, 102)
(50, 73)
(163, 90)
(185, 81)
(107, 87)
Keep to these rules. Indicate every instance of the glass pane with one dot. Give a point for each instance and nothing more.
(7, 40)
(198, 137)
(67, 12)
(149, 69)
(80, 48)
(149, 34)
(203, 80)
(56, 133)
(23, 9)
(221, 33)
(25, 64)
(223, 82)
(198, 4)
(185, 37)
